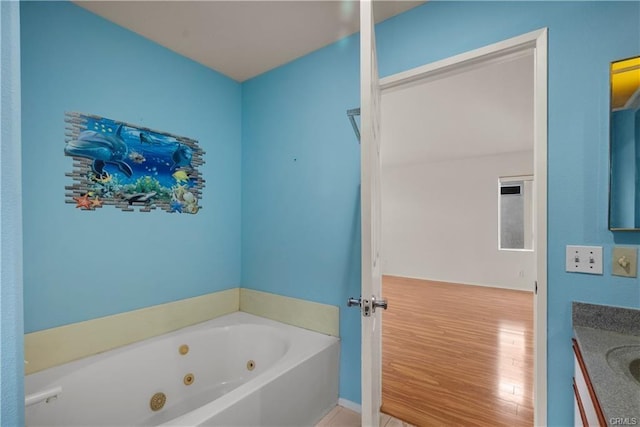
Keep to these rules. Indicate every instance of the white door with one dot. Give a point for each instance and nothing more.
(371, 223)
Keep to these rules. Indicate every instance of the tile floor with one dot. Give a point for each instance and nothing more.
(343, 417)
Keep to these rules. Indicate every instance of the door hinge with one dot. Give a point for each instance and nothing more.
(536, 288)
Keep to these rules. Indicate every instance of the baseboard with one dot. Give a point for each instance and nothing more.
(459, 282)
(350, 405)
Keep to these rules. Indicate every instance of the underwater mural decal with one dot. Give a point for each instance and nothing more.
(120, 164)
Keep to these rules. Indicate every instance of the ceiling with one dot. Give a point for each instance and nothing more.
(483, 111)
(242, 39)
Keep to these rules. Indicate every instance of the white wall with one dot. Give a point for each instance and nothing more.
(440, 222)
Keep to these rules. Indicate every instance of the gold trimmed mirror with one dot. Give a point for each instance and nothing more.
(624, 173)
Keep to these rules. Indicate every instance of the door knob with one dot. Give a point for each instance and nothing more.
(379, 303)
(368, 306)
(352, 301)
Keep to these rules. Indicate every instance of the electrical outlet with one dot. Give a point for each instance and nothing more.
(584, 259)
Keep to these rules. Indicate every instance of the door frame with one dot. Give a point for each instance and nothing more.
(536, 42)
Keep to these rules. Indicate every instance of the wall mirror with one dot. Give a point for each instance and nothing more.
(624, 190)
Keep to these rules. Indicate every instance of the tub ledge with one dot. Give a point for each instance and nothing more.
(42, 396)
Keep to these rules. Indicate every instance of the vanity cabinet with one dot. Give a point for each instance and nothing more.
(586, 406)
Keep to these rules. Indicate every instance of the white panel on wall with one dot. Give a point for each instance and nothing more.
(440, 222)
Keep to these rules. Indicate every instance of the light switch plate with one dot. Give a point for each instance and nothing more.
(584, 259)
(624, 261)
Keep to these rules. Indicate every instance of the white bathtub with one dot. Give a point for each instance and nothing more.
(294, 381)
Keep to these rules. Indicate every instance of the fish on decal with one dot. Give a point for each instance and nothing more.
(137, 157)
(138, 197)
(146, 138)
(181, 157)
(103, 149)
(180, 176)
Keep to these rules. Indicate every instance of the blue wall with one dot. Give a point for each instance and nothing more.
(299, 175)
(11, 342)
(584, 37)
(292, 232)
(81, 265)
(300, 188)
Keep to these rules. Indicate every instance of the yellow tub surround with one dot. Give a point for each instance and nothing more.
(310, 315)
(52, 347)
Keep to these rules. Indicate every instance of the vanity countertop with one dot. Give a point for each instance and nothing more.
(603, 331)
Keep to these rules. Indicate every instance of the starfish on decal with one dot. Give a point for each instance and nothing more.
(83, 202)
(176, 206)
(96, 203)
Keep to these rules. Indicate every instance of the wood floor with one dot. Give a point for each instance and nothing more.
(457, 355)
